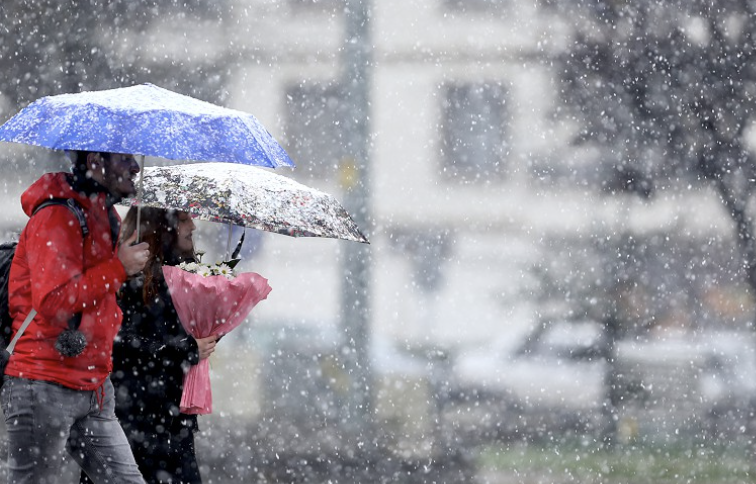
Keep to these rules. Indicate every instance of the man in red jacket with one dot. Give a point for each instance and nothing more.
(52, 403)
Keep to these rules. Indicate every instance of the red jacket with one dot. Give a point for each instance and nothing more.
(54, 274)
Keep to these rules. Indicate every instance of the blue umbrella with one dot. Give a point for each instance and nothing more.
(145, 120)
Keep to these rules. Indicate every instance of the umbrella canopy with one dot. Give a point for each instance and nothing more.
(145, 120)
(249, 197)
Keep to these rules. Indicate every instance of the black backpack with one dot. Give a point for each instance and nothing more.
(8, 250)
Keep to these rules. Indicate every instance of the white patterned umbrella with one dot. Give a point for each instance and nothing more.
(247, 196)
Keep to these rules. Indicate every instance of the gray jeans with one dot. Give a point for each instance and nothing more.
(45, 420)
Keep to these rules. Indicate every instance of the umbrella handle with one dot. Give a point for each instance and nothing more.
(140, 192)
(233, 255)
(228, 242)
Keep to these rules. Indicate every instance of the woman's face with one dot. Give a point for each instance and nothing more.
(185, 228)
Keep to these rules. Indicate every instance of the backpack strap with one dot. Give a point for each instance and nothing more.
(21, 330)
(73, 206)
(78, 211)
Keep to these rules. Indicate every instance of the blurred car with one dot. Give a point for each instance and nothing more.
(694, 384)
(553, 381)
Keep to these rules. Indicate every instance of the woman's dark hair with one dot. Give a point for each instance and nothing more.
(159, 228)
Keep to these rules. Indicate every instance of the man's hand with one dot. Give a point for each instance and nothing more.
(206, 346)
(133, 257)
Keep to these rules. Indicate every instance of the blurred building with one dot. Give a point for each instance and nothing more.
(473, 180)
(470, 171)
(472, 176)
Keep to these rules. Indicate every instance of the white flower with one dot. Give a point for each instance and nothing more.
(223, 270)
(190, 266)
(205, 270)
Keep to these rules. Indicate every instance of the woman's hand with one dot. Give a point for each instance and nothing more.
(206, 346)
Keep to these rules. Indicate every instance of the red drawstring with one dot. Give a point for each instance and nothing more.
(100, 395)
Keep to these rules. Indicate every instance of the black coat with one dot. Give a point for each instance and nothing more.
(151, 354)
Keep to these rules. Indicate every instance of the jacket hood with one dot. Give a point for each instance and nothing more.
(51, 185)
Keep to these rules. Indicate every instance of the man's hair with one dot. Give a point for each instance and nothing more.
(79, 160)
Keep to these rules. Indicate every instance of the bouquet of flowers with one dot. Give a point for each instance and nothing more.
(210, 300)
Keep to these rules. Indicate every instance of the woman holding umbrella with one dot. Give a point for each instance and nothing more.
(153, 352)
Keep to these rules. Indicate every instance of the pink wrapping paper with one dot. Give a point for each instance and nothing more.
(206, 306)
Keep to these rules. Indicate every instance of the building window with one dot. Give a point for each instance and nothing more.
(474, 143)
(323, 5)
(313, 128)
(472, 5)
